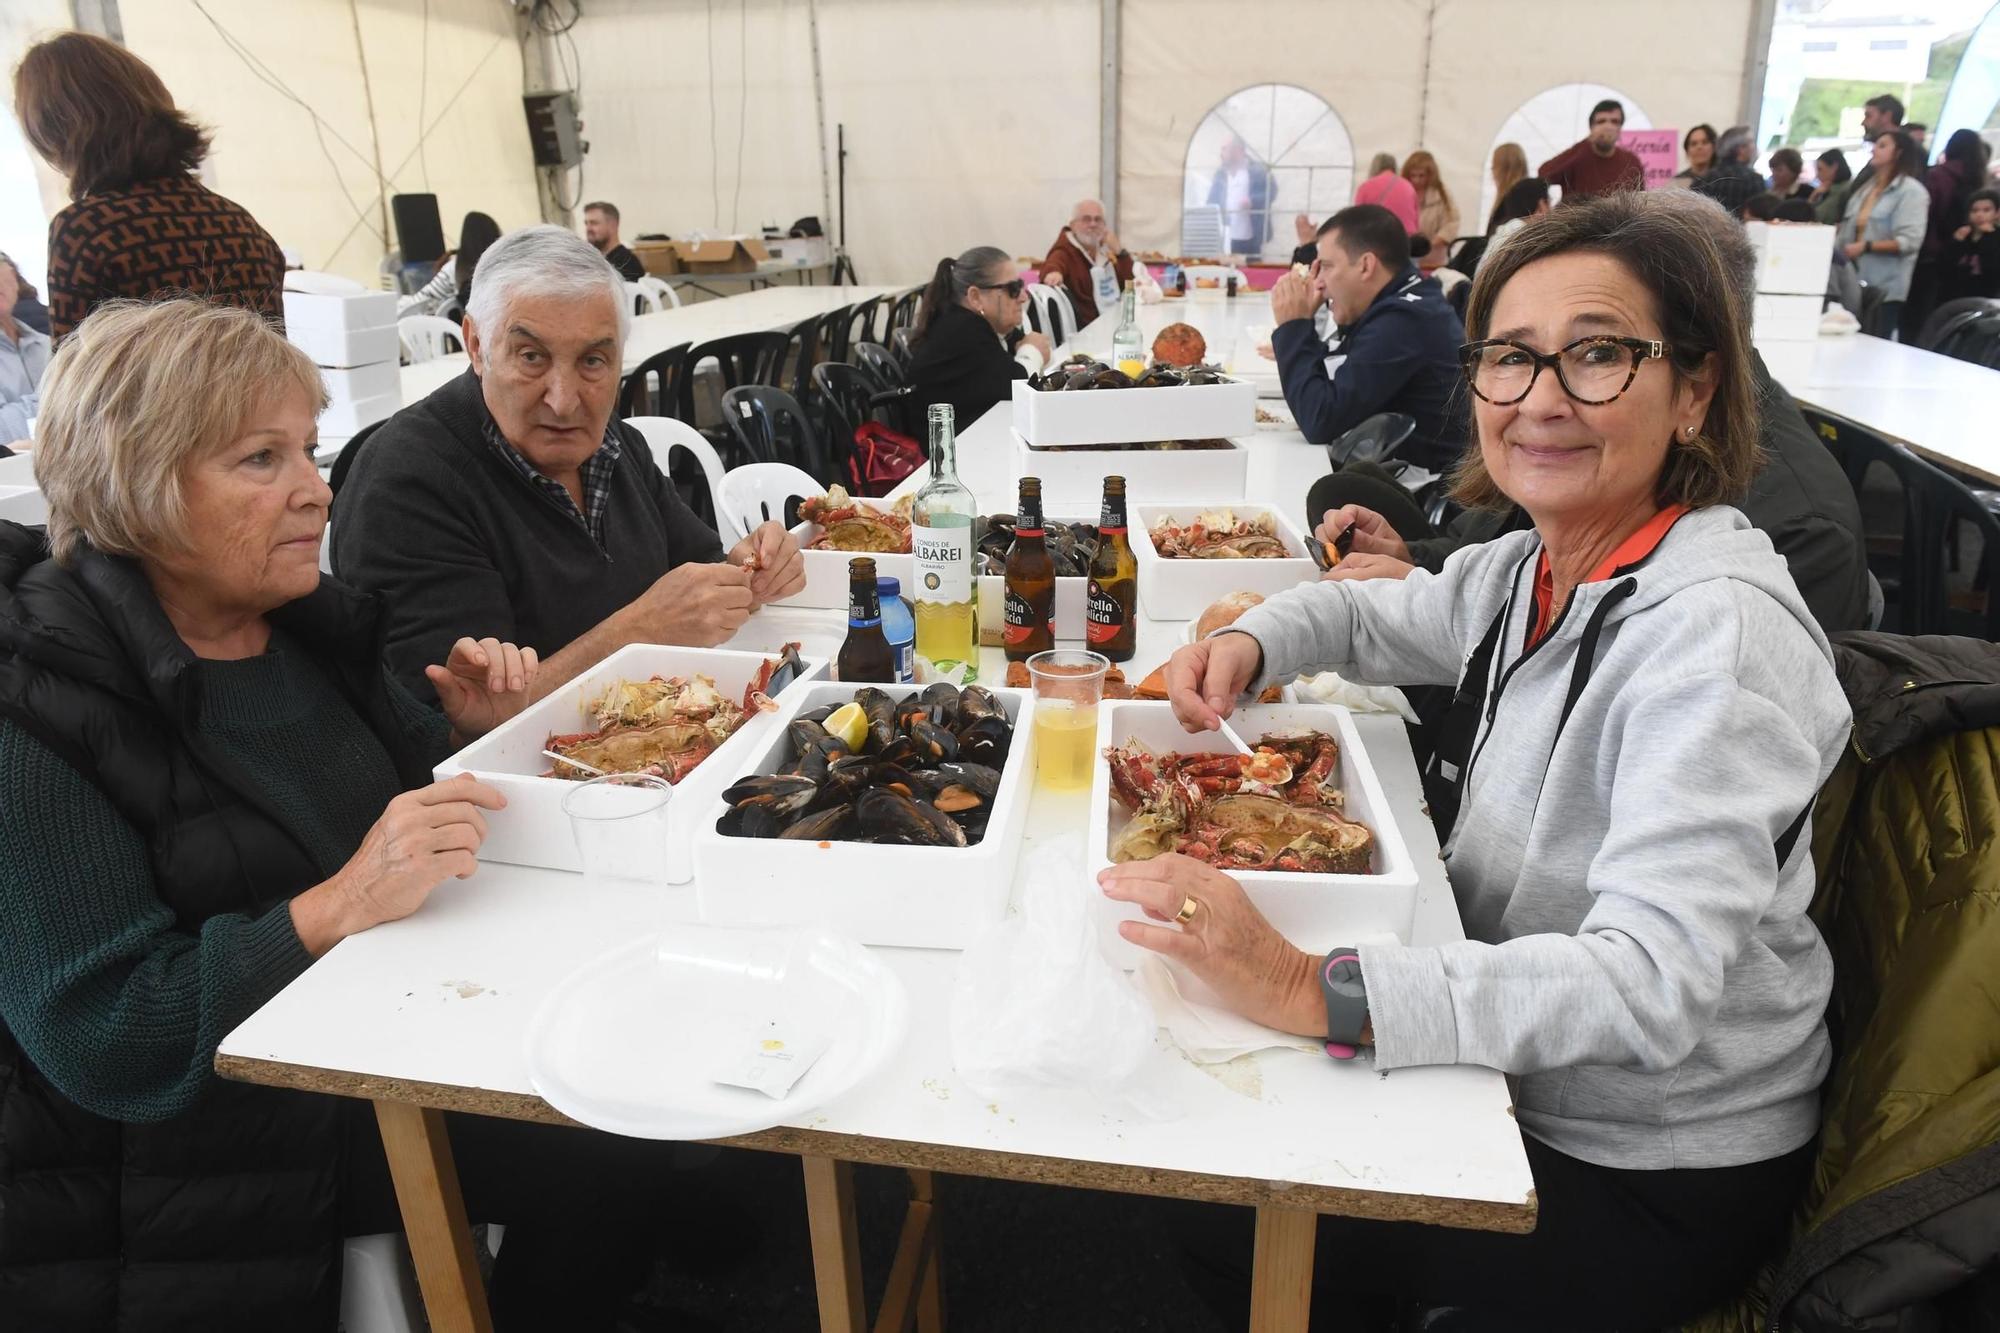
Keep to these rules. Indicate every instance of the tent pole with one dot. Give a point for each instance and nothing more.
(1107, 107)
(819, 110)
(1756, 66)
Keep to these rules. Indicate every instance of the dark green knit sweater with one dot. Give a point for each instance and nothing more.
(120, 1007)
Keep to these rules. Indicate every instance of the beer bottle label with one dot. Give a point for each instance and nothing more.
(1104, 615)
(1021, 620)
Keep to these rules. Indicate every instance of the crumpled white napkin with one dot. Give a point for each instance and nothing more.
(1206, 1032)
(1330, 687)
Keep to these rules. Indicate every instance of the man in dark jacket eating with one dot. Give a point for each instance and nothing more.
(1395, 345)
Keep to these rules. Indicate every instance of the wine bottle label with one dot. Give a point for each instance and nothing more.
(1103, 614)
(942, 559)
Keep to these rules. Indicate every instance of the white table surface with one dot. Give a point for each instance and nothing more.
(1939, 406)
(444, 997)
(696, 322)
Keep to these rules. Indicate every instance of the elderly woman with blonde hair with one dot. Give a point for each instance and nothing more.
(1644, 712)
(209, 780)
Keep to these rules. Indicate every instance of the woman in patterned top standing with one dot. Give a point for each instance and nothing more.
(141, 224)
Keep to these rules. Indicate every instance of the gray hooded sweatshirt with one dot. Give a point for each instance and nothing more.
(1637, 955)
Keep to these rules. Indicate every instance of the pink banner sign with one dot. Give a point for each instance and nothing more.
(1657, 150)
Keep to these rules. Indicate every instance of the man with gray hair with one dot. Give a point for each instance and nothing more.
(509, 502)
(1732, 181)
(1087, 262)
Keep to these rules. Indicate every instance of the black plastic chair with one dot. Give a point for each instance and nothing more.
(901, 346)
(801, 355)
(655, 388)
(861, 324)
(769, 425)
(875, 358)
(1952, 316)
(831, 335)
(903, 310)
(1945, 502)
(850, 398)
(1900, 561)
(742, 358)
(1375, 440)
(1973, 337)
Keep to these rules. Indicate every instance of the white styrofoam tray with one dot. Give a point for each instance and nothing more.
(1183, 589)
(339, 313)
(1314, 912)
(826, 571)
(913, 897)
(1791, 257)
(347, 418)
(353, 384)
(1072, 477)
(1785, 318)
(348, 347)
(533, 830)
(1135, 416)
(1071, 592)
(25, 505)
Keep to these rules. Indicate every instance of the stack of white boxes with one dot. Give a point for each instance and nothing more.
(1793, 261)
(352, 339)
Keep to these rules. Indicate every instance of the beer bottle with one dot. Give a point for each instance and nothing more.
(1111, 603)
(865, 653)
(1031, 581)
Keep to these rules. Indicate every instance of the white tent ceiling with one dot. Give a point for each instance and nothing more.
(967, 121)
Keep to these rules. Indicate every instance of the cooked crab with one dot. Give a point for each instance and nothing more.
(848, 525)
(1219, 535)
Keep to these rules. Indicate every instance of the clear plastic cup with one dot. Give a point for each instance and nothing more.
(1068, 684)
(620, 825)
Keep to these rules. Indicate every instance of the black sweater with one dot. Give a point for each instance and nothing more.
(459, 543)
(960, 361)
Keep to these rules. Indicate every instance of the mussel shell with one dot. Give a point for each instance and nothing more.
(934, 744)
(803, 734)
(1080, 379)
(901, 750)
(943, 700)
(977, 781)
(896, 818)
(986, 740)
(974, 823)
(975, 702)
(749, 821)
(881, 711)
(778, 793)
(821, 825)
(813, 765)
(820, 714)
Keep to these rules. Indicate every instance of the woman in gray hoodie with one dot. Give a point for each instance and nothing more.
(1645, 713)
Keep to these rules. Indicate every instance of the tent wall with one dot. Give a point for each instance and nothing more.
(337, 56)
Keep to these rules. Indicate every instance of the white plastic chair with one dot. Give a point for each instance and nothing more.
(663, 436)
(1058, 315)
(423, 337)
(643, 301)
(749, 491)
(378, 1289)
(664, 295)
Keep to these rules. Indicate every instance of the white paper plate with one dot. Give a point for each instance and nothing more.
(630, 1042)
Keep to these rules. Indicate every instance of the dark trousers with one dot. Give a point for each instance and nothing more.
(1887, 318)
(1612, 1250)
(1374, 488)
(585, 1212)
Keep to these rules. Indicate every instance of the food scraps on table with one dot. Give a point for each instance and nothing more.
(924, 771)
(1180, 345)
(1219, 535)
(664, 727)
(1273, 809)
(847, 524)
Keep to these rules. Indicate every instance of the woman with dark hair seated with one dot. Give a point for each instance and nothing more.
(1645, 712)
(209, 779)
(968, 347)
(450, 287)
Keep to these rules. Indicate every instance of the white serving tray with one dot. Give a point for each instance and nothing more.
(1314, 912)
(1183, 589)
(1133, 416)
(27, 505)
(1074, 477)
(630, 1042)
(340, 313)
(533, 830)
(1793, 258)
(915, 897)
(826, 572)
(347, 347)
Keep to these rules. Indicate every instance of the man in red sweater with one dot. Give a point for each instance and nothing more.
(1596, 164)
(1087, 262)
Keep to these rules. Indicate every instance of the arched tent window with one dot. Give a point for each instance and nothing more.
(1547, 123)
(1259, 158)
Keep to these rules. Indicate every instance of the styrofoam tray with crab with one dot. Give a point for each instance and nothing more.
(1315, 911)
(860, 517)
(1181, 588)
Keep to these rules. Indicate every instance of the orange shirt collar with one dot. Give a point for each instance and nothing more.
(1630, 552)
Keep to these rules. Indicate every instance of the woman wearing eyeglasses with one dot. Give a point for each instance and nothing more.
(1645, 711)
(968, 346)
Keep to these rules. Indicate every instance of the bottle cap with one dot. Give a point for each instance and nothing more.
(889, 587)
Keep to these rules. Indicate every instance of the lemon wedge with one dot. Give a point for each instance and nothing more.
(850, 724)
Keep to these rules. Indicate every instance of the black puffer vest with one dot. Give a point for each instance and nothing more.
(227, 1215)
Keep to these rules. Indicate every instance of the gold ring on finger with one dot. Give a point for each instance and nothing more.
(1189, 907)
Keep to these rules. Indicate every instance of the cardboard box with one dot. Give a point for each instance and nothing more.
(911, 897)
(809, 250)
(1315, 912)
(533, 830)
(1183, 589)
(1792, 257)
(349, 417)
(740, 254)
(363, 310)
(658, 257)
(337, 348)
(1073, 478)
(1781, 318)
(354, 384)
(1135, 416)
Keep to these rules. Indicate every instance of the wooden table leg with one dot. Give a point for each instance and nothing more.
(836, 1244)
(419, 1153)
(1281, 1271)
(930, 1294)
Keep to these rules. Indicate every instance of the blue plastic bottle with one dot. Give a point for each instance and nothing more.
(899, 627)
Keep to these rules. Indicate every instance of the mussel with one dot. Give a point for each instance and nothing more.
(821, 825)
(976, 701)
(986, 740)
(777, 793)
(932, 743)
(942, 700)
(894, 817)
